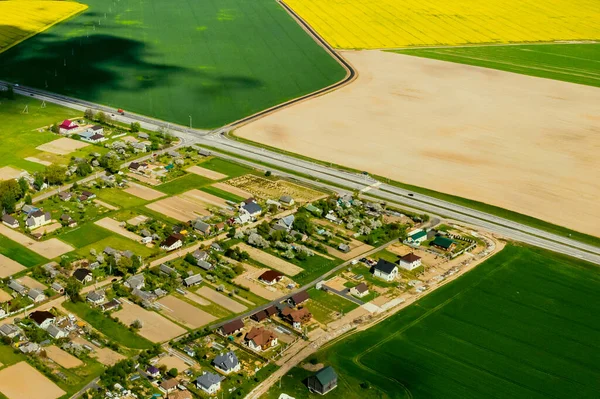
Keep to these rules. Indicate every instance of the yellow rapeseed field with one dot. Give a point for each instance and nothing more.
(22, 19)
(402, 23)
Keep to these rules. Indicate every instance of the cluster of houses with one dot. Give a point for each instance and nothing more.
(388, 271)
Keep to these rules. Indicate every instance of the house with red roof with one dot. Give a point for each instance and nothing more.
(67, 127)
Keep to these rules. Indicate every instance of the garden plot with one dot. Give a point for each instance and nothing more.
(145, 179)
(62, 146)
(356, 248)
(233, 190)
(9, 173)
(115, 226)
(221, 300)
(154, 327)
(4, 296)
(21, 381)
(106, 205)
(8, 267)
(270, 260)
(62, 358)
(201, 196)
(49, 249)
(187, 206)
(198, 299)
(47, 229)
(184, 312)
(171, 362)
(269, 189)
(104, 355)
(136, 221)
(37, 160)
(211, 174)
(143, 192)
(250, 279)
(29, 282)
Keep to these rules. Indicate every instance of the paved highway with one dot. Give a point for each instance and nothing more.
(334, 178)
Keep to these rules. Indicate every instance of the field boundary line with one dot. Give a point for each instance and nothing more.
(591, 41)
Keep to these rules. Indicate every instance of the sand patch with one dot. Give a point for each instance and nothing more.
(21, 381)
(185, 313)
(63, 358)
(49, 249)
(221, 300)
(105, 355)
(29, 282)
(233, 190)
(144, 179)
(171, 361)
(136, 221)
(129, 139)
(187, 206)
(143, 192)
(522, 143)
(269, 260)
(211, 174)
(356, 248)
(106, 205)
(37, 160)
(263, 188)
(337, 283)
(250, 279)
(8, 267)
(62, 146)
(115, 226)
(201, 196)
(9, 173)
(4, 296)
(154, 327)
(199, 300)
(47, 229)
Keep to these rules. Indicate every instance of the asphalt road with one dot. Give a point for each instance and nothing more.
(323, 175)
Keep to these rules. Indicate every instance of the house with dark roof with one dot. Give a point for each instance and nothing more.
(153, 372)
(201, 227)
(260, 339)
(37, 219)
(95, 298)
(42, 318)
(233, 327)
(110, 305)
(296, 317)
(67, 220)
(209, 382)
(270, 277)
(251, 208)
(416, 237)
(138, 167)
(443, 243)
(172, 242)
(10, 221)
(323, 381)
(299, 298)
(409, 261)
(227, 363)
(82, 275)
(385, 270)
(264, 314)
(360, 290)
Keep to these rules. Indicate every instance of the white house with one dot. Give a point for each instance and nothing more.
(172, 243)
(251, 208)
(36, 295)
(37, 219)
(56, 332)
(417, 236)
(209, 382)
(360, 290)
(259, 339)
(95, 298)
(10, 221)
(67, 127)
(385, 270)
(286, 200)
(42, 318)
(410, 261)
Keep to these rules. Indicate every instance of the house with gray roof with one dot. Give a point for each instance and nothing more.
(192, 280)
(286, 200)
(200, 255)
(166, 269)
(286, 222)
(227, 363)
(56, 332)
(36, 295)
(251, 208)
(18, 288)
(10, 221)
(145, 296)
(201, 226)
(136, 282)
(9, 330)
(50, 269)
(95, 298)
(209, 382)
(323, 381)
(58, 288)
(205, 265)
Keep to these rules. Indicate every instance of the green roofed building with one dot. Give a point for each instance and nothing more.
(444, 243)
(417, 237)
(323, 381)
(313, 209)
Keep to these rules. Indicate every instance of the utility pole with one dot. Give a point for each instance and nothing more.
(190, 121)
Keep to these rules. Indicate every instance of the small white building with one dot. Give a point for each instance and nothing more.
(172, 243)
(410, 261)
(209, 382)
(37, 219)
(36, 295)
(385, 270)
(360, 290)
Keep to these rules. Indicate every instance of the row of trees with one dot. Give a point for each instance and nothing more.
(11, 191)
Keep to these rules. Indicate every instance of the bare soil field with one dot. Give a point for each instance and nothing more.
(187, 206)
(115, 226)
(337, 283)
(211, 174)
(37, 160)
(184, 313)
(129, 139)
(233, 190)
(106, 205)
(143, 192)
(221, 300)
(198, 299)
(62, 146)
(269, 189)
(523, 143)
(202, 197)
(49, 249)
(29, 282)
(9, 173)
(21, 381)
(171, 361)
(427, 258)
(105, 355)
(356, 248)
(8, 267)
(136, 221)
(269, 260)
(250, 279)
(47, 229)
(154, 327)
(61, 357)
(4, 296)
(145, 179)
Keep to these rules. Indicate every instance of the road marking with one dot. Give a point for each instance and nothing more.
(372, 186)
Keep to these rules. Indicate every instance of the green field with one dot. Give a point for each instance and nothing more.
(216, 61)
(324, 305)
(576, 63)
(19, 253)
(222, 194)
(85, 235)
(227, 168)
(521, 325)
(113, 330)
(184, 183)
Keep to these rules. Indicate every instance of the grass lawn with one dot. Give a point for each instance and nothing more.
(386, 255)
(314, 266)
(17, 130)
(227, 168)
(87, 234)
(222, 194)
(218, 62)
(118, 242)
(19, 253)
(120, 198)
(576, 63)
(323, 305)
(113, 330)
(8, 356)
(521, 325)
(184, 183)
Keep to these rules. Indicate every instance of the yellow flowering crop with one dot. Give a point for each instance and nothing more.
(22, 19)
(402, 23)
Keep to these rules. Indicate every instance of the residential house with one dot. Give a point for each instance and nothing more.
(264, 314)
(83, 275)
(110, 305)
(95, 298)
(251, 208)
(192, 280)
(88, 194)
(58, 288)
(299, 298)
(203, 152)
(286, 222)
(29, 209)
(200, 255)
(216, 247)
(270, 277)
(227, 363)
(67, 127)
(385, 270)
(30, 347)
(243, 218)
(205, 265)
(95, 138)
(313, 209)
(143, 136)
(110, 251)
(56, 332)
(42, 318)
(410, 261)
(37, 219)
(345, 248)
(201, 227)
(169, 271)
(65, 196)
(36, 295)
(144, 296)
(96, 129)
(9, 330)
(296, 317)
(138, 147)
(153, 372)
(18, 288)
(139, 167)
(67, 220)
(444, 243)
(219, 227)
(416, 237)
(209, 382)
(168, 386)
(189, 351)
(259, 339)
(286, 200)
(50, 269)
(10, 221)
(136, 282)
(323, 381)
(173, 154)
(233, 327)
(172, 242)
(360, 290)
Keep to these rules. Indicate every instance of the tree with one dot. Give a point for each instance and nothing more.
(24, 185)
(136, 263)
(28, 199)
(73, 290)
(136, 325)
(38, 180)
(134, 127)
(88, 114)
(54, 128)
(100, 117)
(84, 169)
(173, 372)
(303, 225)
(231, 232)
(8, 201)
(268, 173)
(55, 174)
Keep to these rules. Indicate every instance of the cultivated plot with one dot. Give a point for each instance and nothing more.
(539, 158)
(4, 296)
(21, 381)
(269, 260)
(8, 267)
(188, 205)
(30, 282)
(143, 192)
(62, 146)
(9, 173)
(211, 174)
(115, 226)
(273, 189)
(170, 362)
(154, 327)
(233, 190)
(184, 313)
(221, 300)
(61, 357)
(49, 249)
